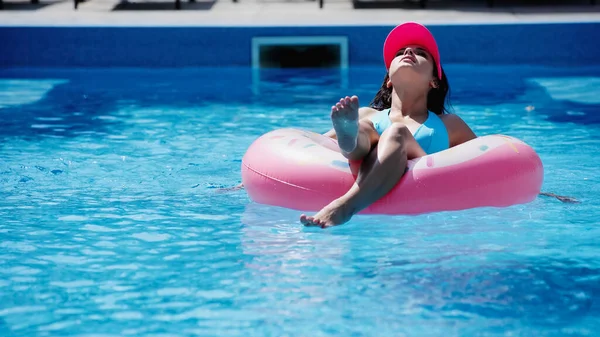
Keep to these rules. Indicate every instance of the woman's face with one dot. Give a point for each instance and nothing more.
(412, 65)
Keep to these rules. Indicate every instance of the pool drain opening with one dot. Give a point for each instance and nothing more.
(300, 52)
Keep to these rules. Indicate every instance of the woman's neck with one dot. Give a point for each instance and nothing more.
(409, 104)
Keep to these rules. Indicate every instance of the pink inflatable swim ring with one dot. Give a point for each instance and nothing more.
(305, 171)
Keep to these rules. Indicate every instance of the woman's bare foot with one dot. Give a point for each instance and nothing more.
(336, 213)
(344, 117)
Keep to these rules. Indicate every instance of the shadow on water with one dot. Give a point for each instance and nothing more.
(67, 109)
(543, 291)
(572, 100)
(97, 100)
(557, 94)
(100, 100)
(484, 86)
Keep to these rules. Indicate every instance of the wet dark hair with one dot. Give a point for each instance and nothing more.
(436, 98)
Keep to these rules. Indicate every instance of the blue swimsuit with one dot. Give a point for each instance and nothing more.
(431, 135)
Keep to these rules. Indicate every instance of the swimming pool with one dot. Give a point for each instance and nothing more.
(113, 224)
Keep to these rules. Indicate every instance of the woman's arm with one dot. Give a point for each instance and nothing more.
(458, 131)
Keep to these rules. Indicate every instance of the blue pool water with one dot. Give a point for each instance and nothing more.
(112, 222)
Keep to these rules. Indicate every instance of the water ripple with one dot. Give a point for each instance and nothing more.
(115, 228)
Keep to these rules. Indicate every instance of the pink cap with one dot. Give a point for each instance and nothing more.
(410, 33)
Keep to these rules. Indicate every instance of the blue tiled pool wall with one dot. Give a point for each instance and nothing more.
(539, 44)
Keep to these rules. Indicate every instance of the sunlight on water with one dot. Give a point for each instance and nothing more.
(22, 91)
(113, 223)
(574, 89)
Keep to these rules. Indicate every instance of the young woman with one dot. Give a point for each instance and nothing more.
(407, 119)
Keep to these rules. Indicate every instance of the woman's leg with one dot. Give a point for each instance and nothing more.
(380, 172)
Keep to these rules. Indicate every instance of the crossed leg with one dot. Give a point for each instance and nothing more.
(382, 167)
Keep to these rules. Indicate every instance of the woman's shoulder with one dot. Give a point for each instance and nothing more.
(458, 130)
(450, 119)
(453, 121)
(367, 111)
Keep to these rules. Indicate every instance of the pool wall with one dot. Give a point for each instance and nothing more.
(524, 43)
